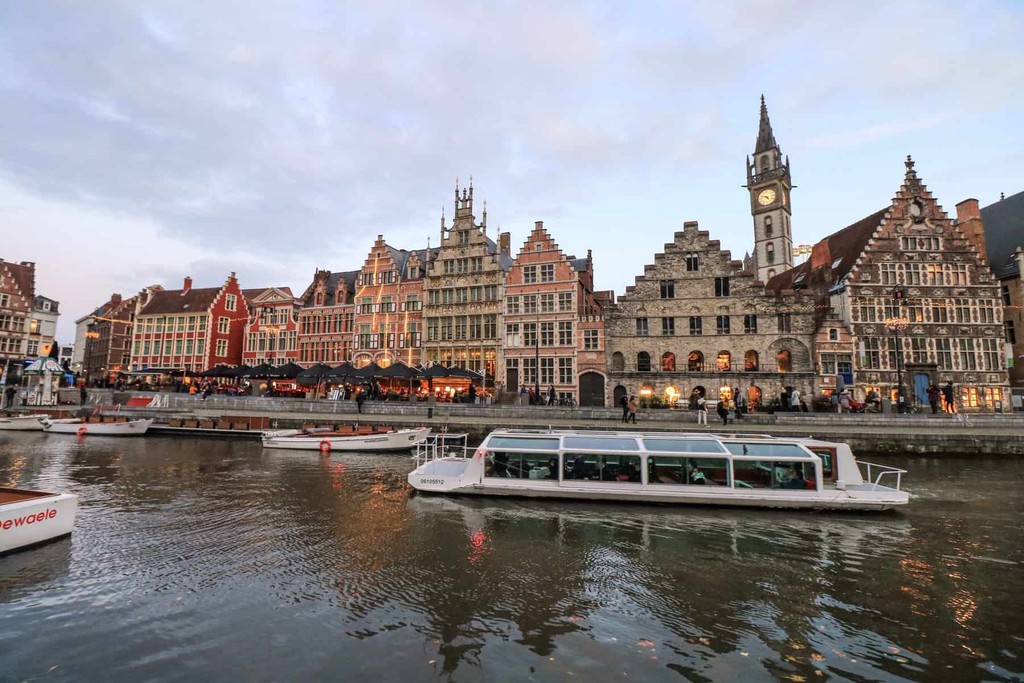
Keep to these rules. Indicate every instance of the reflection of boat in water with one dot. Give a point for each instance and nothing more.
(704, 469)
(80, 428)
(31, 517)
(326, 441)
(23, 423)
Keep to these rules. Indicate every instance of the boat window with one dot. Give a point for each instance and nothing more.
(666, 469)
(762, 474)
(608, 468)
(506, 465)
(827, 456)
(527, 442)
(767, 449)
(601, 443)
(684, 445)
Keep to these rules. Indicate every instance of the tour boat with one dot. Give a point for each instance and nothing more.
(360, 440)
(674, 468)
(28, 518)
(23, 423)
(80, 428)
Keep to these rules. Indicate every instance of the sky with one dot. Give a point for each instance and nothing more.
(145, 141)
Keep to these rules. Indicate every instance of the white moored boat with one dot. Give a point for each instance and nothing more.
(326, 441)
(31, 517)
(702, 469)
(23, 423)
(80, 428)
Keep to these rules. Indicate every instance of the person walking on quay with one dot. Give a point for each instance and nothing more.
(624, 403)
(702, 411)
(723, 412)
(933, 398)
(551, 395)
(9, 393)
(794, 400)
(632, 406)
(947, 398)
(83, 394)
(523, 395)
(360, 400)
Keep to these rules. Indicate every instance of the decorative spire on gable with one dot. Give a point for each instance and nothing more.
(765, 137)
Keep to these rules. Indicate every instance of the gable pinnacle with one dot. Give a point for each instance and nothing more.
(765, 137)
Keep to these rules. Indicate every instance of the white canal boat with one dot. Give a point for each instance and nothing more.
(80, 428)
(327, 441)
(675, 468)
(23, 423)
(28, 518)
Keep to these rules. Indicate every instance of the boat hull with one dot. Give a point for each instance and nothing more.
(31, 423)
(131, 428)
(401, 440)
(29, 518)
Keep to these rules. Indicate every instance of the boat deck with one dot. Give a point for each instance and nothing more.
(17, 495)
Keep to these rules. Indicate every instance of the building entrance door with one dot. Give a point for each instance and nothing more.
(591, 389)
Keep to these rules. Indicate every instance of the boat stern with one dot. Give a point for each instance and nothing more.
(446, 474)
(36, 520)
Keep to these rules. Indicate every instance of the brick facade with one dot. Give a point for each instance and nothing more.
(17, 295)
(108, 339)
(327, 318)
(271, 332)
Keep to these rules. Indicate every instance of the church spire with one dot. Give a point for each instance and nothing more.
(765, 137)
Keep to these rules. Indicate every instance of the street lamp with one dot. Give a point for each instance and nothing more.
(265, 314)
(896, 324)
(536, 360)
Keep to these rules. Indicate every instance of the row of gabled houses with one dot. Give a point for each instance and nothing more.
(905, 296)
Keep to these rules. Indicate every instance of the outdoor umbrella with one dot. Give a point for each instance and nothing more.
(456, 371)
(314, 375)
(341, 372)
(237, 372)
(260, 370)
(286, 371)
(399, 370)
(436, 371)
(215, 371)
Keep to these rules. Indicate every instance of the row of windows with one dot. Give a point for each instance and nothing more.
(454, 266)
(917, 274)
(545, 272)
(667, 288)
(924, 243)
(958, 310)
(961, 353)
(538, 303)
(551, 369)
(382, 277)
(330, 352)
(462, 327)
(172, 323)
(525, 334)
(12, 323)
(461, 295)
(695, 362)
(723, 325)
(337, 323)
(391, 340)
(176, 347)
(263, 341)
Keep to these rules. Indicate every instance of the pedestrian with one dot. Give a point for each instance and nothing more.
(702, 411)
(947, 398)
(835, 402)
(624, 404)
(632, 409)
(723, 411)
(794, 400)
(532, 396)
(360, 400)
(844, 401)
(472, 393)
(83, 394)
(523, 395)
(933, 397)
(551, 395)
(9, 393)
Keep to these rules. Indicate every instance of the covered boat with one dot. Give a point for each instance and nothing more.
(359, 440)
(28, 518)
(81, 428)
(22, 423)
(676, 468)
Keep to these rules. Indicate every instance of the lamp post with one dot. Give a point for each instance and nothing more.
(265, 314)
(536, 360)
(897, 323)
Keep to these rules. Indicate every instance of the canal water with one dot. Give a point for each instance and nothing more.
(215, 560)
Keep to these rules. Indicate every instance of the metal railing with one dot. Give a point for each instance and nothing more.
(441, 445)
(880, 471)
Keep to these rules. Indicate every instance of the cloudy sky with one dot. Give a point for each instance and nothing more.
(145, 141)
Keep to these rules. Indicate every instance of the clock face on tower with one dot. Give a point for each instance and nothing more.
(766, 197)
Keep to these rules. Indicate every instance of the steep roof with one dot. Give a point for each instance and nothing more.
(179, 301)
(23, 276)
(831, 259)
(1004, 232)
(330, 287)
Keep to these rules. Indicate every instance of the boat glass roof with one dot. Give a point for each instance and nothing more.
(525, 442)
(601, 443)
(684, 445)
(767, 449)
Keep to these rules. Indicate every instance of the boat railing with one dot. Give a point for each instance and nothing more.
(874, 473)
(442, 445)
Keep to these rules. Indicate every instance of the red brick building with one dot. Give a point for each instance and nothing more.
(108, 339)
(190, 329)
(272, 328)
(326, 318)
(17, 293)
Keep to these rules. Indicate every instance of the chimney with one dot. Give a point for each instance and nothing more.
(968, 220)
(505, 243)
(115, 299)
(820, 254)
(538, 225)
(187, 286)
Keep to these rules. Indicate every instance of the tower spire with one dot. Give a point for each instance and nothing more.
(765, 137)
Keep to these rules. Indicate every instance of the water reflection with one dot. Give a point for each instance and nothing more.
(310, 568)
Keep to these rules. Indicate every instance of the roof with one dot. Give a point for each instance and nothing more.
(330, 287)
(180, 301)
(23, 276)
(831, 259)
(1004, 232)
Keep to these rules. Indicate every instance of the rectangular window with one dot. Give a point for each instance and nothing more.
(663, 469)
(872, 356)
(530, 304)
(565, 336)
(547, 272)
(750, 324)
(223, 324)
(529, 275)
(641, 327)
(785, 322)
(547, 334)
(944, 354)
(565, 301)
(692, 263)
(565, 374)
(668, 327)
(490, 326)
(512, 305)
(230, 302)
(1005, 291)
(547, 371)
(668, 289)
(222, 347)
(968, 358)
(888, 274)
(529, 334)
(722, 324)
(1011, 333)
(547, 303)
(188, 347)
(529, 371)
(590, 340)
(990, 354)
(918, 350)
(191, 323)
(721, 286)
(696, 326)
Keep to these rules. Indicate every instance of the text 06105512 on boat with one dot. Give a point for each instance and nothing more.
(703, 469)
(81, 428)
(363, 438)
(28, 518)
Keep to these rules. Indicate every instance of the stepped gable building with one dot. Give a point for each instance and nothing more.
(190, 329)
(696, 323)
(1003, 232)
(463, 290)
(769, 184)
(905, 295)
(554, 318)
(389, 306)
(326, 318)
(17, 297)
(107, 340)
(271, 334)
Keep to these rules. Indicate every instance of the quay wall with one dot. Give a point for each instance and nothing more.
(867, 434)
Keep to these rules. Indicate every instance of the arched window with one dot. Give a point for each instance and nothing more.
(668, 362)
(785, 361)
(769, 227)
(769, 252)
(723, 363)
(750, 361)
(618, 362)
(643, 362)
(833, 334)
(695, 362)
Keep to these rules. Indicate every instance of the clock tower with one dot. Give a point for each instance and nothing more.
(769, 184)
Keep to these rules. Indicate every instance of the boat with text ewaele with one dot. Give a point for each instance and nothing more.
(28, 518)
(672, 468)
(80, 428)
(23, 423)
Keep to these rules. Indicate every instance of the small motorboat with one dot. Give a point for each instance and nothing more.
(360, 440)
(22, 423)
(80, 428)
(28, 518)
